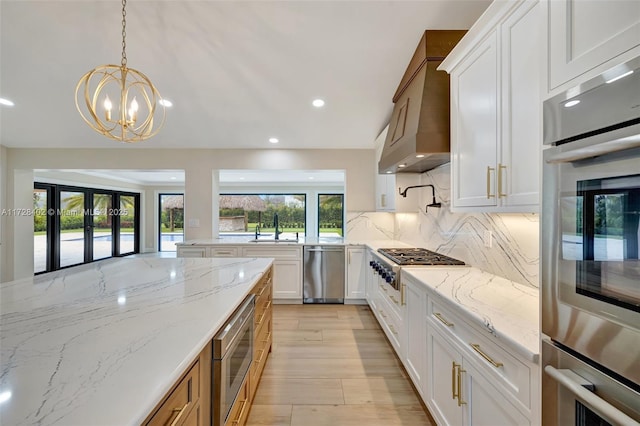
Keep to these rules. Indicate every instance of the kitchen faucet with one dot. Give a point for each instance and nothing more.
(276, 222)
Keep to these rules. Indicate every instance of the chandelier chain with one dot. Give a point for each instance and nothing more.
(124, 34)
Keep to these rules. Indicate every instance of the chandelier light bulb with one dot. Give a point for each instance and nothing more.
(107, 108)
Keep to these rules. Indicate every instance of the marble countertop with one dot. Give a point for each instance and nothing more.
(245, 240)
(103, 343)
(507, 310)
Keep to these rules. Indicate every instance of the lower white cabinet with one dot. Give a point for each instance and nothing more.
(191, 251)
(415, 299)
(287, 265)
(356, 273)
(287, 269)
(458, 393)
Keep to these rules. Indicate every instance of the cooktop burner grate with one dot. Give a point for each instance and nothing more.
(417, 256)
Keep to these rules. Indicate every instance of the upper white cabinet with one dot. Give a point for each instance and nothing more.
(496, 110)
(587, 37)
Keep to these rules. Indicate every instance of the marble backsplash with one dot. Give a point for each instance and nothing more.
(514, 252)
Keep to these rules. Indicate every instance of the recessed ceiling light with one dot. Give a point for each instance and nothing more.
(420, 156)
(388, 172)
(241, 178)
(402, 165)
(572, 103)
(165, 102)
(6, 102)
(273, 140)
(173, 178)
(311, 177)
(318, 103)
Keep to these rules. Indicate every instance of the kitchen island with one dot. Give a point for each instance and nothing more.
(103, 343)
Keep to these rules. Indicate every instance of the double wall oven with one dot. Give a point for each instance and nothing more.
(590, 252)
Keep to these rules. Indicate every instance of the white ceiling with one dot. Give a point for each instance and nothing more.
(238, 72)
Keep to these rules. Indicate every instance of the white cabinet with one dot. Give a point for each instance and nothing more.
(415, 300)
(385, 192)
(587, 37)
(459, 394)
(356, 273)
(287, 264)
(287, 269)
(191, 251)
(496, 111)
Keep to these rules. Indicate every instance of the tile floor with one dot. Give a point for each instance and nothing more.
(331, 365)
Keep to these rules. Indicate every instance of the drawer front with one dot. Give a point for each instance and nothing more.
(275, 252)
(390, 324)
(192, 252)
(240, 410)
(262, 346)
(223, 251)
(392, 296)
(181, 401)
(508, 373)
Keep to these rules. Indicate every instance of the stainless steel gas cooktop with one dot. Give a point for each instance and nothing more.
(417, 256)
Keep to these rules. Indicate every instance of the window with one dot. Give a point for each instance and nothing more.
(80, 225)
(171, 221)
(330, 215)
(240, 214)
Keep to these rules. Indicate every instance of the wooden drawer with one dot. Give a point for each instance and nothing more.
(262, 347)
(508, 373)
(178, 407)
(263, 306)
(240, 410)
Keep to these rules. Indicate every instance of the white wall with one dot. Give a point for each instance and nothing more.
(201, 183)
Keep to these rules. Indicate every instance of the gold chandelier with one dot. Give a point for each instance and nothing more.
(131, 103)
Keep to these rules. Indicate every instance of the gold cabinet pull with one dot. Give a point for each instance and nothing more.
(241, 413)
(382, 313)
(460, 371)
(402, 297)
(393, 330)
(383, 288)
(393, 298)
(454, 367)
(442, 320)
(349, 261)
(499, 172)
(490, 360)
(383, 200)
(489, 194)
(180, 412)
(268, 338)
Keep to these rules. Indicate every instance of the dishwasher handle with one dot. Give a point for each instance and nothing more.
(306, 249)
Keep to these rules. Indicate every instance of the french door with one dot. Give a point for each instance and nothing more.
(81, 225)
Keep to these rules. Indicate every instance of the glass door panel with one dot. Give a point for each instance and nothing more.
(126, 230)
(171, 221)
(72, 229)
(40, 229)
(102, 226)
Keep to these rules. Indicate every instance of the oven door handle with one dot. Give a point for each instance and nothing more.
(597, 404)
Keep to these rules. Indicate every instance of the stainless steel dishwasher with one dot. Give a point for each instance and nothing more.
(323, 274)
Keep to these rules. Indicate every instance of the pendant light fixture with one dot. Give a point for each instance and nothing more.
(119, 102)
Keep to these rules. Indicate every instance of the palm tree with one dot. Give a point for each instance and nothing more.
(101, 202)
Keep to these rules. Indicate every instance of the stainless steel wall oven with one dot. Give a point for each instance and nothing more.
(590, 252)
(232, 355)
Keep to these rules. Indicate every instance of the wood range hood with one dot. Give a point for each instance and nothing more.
(418, 136)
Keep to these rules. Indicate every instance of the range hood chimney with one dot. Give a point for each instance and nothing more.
(418, 137)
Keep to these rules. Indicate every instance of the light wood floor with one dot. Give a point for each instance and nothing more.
(331, 365)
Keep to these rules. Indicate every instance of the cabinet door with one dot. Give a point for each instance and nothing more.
(584, 34)
(485, 405)
(475, 129)
(385, 192)
(356, 273)
(416, 333)
(519, 167)
(287, 279)
(441, 380)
